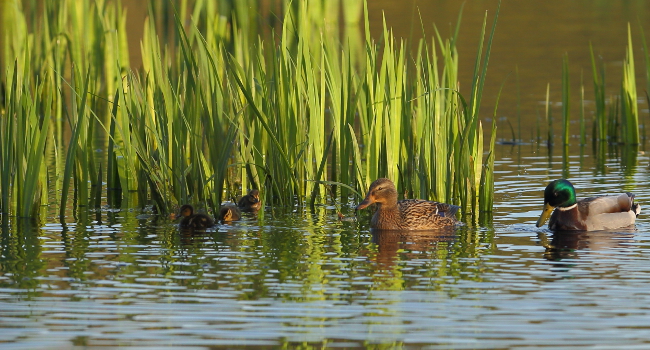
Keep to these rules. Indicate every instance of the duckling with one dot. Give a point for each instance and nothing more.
(195, 221)
(589, 214)
(250, 202)
(229, 212)
(407, 214)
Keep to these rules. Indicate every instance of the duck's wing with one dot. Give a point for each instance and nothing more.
(608, 212)
(606, 204)
(421, 207)
(448, 210)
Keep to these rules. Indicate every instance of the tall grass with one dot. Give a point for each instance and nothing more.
(629, 106)
(600, 120)
(223, 104)
(548, 116)
(617, 121)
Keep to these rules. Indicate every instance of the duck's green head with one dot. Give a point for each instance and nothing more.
(559, 193)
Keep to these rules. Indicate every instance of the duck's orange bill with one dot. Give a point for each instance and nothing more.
(548, 210)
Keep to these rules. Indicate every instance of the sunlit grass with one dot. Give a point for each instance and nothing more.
(616, 119)
(307, 113)
(629, 105)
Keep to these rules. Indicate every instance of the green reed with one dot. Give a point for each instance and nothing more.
(629, 106)
(600, 121)
(646, 56)
(226, 104)
(548, 116)
(616, 119)
(583, 125)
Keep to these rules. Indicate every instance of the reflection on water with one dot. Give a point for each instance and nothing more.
(567, 245)
(390, 242)
(291, 277)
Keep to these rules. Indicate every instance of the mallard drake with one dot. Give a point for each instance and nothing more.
(407, 214)
(250, 202)
(229, 212)
(195, 221)
(589, 214)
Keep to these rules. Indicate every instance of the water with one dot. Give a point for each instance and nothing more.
(291, 278)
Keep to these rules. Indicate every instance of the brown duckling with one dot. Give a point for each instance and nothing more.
(229, 212)
(596, 213)
(250, 202)
(407, 214)
(194, 221)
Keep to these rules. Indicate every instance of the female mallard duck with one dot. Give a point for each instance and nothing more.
(250, 202)
(595, 213)
(407, 214)
(229, 212)
(194, 221)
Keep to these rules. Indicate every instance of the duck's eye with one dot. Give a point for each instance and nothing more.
(379, 188)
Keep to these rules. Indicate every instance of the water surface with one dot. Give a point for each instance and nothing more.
(291, 276)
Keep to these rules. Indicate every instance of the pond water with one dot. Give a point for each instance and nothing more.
(300, 278)
(295, 278)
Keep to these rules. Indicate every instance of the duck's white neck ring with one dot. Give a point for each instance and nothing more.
(567, 208)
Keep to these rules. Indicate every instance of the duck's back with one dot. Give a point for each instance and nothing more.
(201, 221)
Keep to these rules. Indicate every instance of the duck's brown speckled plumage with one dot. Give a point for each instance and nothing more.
(194, 221)
(229, 212)
(589, 214)
(407, 214)
(250, 202)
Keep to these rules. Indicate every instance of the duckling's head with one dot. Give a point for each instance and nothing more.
(254, 196)
(558, 194)
(229, 213)
(382, 191)
(187, 210)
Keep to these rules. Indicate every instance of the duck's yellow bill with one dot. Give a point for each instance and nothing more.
(548, 210)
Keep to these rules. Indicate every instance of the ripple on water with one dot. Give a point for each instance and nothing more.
(305, 277)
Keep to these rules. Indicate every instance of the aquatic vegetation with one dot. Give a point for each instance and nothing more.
(616, 121)
(600, 119)
(615, 117)
(309, 113)
(629, 105)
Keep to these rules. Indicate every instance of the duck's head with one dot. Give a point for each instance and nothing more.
(254, 196)
(558, 194)
(228, 214)
(382, 191)
(187, 210)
